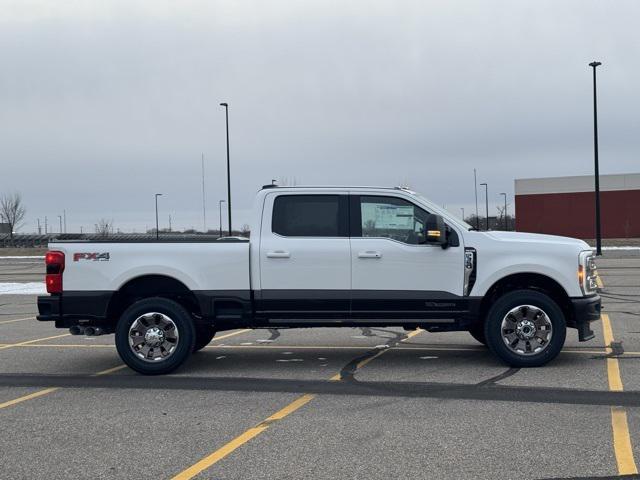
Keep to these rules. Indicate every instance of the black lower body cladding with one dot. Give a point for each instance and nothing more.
(244, 308)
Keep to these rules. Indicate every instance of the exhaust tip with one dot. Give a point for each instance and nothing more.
(76, 330)
(93, 331)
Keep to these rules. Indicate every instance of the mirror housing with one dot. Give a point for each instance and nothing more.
(435, 231)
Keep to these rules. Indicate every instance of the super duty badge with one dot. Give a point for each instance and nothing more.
(94, 256)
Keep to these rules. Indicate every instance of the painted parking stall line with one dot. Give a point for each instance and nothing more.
(224, 451)
(620, 426)
(17, 320)
(46, 391)
(28, 342)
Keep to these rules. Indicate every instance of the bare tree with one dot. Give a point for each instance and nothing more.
(104, 227)
(12, 212)
(245, 230)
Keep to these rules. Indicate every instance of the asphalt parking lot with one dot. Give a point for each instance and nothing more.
(322, 403)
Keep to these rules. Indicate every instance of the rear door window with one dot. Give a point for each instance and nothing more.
(310, 216)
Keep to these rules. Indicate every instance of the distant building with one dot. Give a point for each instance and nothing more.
(4, 228)
(566, 205)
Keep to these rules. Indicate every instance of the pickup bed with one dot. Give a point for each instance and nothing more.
(327, 256)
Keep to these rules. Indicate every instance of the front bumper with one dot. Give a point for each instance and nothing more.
(584, 311)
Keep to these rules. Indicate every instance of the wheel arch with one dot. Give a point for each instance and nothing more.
(527, 281)
(151, 285)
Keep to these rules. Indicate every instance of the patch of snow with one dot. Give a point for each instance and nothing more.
(31, 288)
(18, 257)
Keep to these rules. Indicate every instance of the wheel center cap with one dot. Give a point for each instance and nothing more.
(526, 329)
(154, 336)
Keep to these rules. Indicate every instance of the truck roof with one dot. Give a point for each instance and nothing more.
(336, 187)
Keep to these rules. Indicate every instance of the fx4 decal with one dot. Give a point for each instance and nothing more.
(95, 256)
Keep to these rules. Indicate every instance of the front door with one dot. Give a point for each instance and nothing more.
(394, 273)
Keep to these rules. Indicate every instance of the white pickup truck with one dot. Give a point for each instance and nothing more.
(327, 257)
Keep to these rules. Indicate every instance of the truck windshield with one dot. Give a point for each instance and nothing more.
(459, 221)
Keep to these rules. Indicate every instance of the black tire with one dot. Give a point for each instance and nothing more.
(203, 337)
(512, 300)
(477, 332)
(183, 324)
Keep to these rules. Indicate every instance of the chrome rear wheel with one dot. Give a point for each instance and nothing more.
(153, 337)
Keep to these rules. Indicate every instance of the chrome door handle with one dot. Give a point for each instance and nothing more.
(369, 254)
(278, 254)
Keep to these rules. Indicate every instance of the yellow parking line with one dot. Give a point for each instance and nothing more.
(46, 391)
(240, 440)
(435, 348)
(17, 320)
(34, 341)
(622, 442)
(613, 368)
(109, 370)
(621, 438)
(231, 334)
(64, 345)
(253, 432)
(27, 397)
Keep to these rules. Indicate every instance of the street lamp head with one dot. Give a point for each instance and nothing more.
(595, 64)
(224, 105)
(483, 184)
(502, 193)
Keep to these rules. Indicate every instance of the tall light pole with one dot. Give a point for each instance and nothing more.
(226, 111)
(204, 210)
(505, 210)
(220, 202)
(462, 208)
(60, 218)
(486, 198)
(475, 186)
(64, 216)
(597, 168)
(157, 227)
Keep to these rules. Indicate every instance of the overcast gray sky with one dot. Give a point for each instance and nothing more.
(103, 103)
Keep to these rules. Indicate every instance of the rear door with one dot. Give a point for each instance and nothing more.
(394, 273)
(305, 257)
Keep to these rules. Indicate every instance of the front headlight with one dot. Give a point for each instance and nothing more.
(587, 272)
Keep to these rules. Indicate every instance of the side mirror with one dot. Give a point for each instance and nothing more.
(435, 230)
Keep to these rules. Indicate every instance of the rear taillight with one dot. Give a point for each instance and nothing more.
(54, 262)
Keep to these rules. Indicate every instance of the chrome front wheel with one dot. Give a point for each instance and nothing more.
(526, 330)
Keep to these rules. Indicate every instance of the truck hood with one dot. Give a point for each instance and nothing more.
(536, 238)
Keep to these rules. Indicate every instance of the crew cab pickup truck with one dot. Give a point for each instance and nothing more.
(327, 257)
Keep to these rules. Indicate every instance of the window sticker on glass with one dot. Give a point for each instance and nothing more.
(387, 217)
